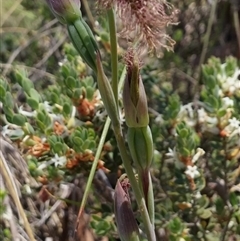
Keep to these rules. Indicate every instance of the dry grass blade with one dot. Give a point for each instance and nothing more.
(12, 189)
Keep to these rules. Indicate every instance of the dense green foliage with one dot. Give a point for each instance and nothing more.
(52, 112)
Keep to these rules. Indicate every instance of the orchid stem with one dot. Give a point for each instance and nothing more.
(96, 158)
(114, 54)
(137, 192)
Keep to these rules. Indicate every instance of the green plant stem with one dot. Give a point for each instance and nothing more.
(151, 204)
(138, 195)
(114, 54)
(88, 12)
(95, 163)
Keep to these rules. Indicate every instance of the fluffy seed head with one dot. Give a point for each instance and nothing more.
(144, 21)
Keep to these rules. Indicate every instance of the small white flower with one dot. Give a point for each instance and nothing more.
(234, 123)
(213, 121)
(182, 239)
(56, 160)
(229, 84)
(233, 128)
(220, 93)
(73, 112)
(172, 157)
(200, 152)
(159, 119)
(47, 106)
(101, 115)
(7, 215)
(202, 115)
(5, 130)
(198, 195)
(172, 154)
(189, 109)
(227, 102)
(192, 172)
(11, 130)
(26, 113)
(59, 161)
(236, 132)
(27, 189)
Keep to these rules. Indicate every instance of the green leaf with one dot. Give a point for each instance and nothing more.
(203, 201)
(104, 36)
(234, 199)
(52, 140)
(18, 119)
(2, 93)
(70, 82)
(8, 111)
(47, 120)
(77, 93)
(67, 109)
(27, 85)
(29, 129)
(77, 141)
(65, 71)
(41, 116)
(183, 133)
(205, 214)
(85, 145)
(185, 152)
(9, 117)
(58, 147)
(219, 206)
(175, 226)
(221, 113)
(8, 100)
(16, 134)
(33, 103)
(54, 97)
(91, 145)
(90, 92)
(211, 82)
(213, 102)
(35, 95)
(41, 125)
(18, 77)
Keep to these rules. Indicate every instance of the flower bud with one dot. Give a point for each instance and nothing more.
(126, 223)
(134, 98)
(66, 11)
(141, 146)
(84, 42)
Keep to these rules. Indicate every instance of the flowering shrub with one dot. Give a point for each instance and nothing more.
(199, 158)
(181, 158)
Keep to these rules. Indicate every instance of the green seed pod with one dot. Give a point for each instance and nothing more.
(84, 42)
(141, 146)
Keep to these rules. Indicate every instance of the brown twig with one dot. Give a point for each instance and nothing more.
(50, 52)
(41, 72)
(236, 22)
(37, 36)
(10, 11)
